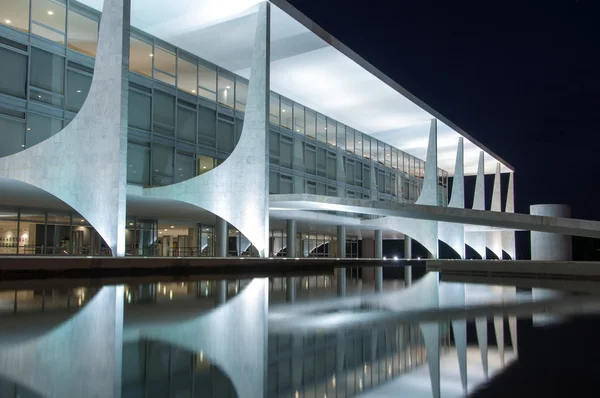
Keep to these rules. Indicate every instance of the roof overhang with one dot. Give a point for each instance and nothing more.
(311, 67)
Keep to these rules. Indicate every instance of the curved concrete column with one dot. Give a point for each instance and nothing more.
(238, 189)
(423, 231)
(82, 357)
(453, 234)
(84, 165)
(494, 238)
(477, 240)
(233, 336)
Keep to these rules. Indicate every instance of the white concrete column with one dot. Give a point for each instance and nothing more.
(549, 247)
(378, 254)
(221, 292)
(368, 251)
(221, 237)
(407, 255)
(341, 253)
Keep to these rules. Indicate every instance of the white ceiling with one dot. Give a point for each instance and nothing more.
(307, 69)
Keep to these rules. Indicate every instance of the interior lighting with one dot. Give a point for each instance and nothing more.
(396, 258)
(7, 21)
(172, 226)
(283, 110)
(78, 91)
(28, 128)
(166, 230)
(152, 55)
(50, 12)
(227, 87)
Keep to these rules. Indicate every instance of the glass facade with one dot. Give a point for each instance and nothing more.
(185, 115)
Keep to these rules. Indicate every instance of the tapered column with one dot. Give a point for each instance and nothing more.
(378, 254)
(290, 283)
(408, 255)
(341, 253)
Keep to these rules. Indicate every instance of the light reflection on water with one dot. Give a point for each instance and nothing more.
(306, 363)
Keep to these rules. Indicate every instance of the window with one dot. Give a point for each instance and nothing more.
(311, 126)
(187, 76)
(366, 147)
(78, 86)
(83, 34)
(286, 184)
(15, 14)
(341, 136)
(331, 166)
(139, 110)
(39, 128)
(164, 113)
(47, 71)
(298, 118)
(226, 136)
(349, 139)
(321, 162)
(286, 114)
(274, 147)
(358, 143)
(185, 166)
(207, 82)
(395, 158)
(207, 126)
(205, 163)
(13, 70)
(140, 57)
(274, 109)
(241, 95)
(331, 136)
(12, 134)
(162, 163)
(321, 128)
(226, 89)
(286, 151)
(380, 152)
(298, 154)
(164, 65)
(350, 172)
(186, 124)
(48, 19)
(310, 157)
(138, 164)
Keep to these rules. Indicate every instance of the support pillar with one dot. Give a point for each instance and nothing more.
(290, 282)
(222, 237)
(378, 254)
(341, 253)
(407, 255)
(549, 247)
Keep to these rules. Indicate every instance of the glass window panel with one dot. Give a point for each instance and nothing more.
(321, 128)
(47, 71)
(286, 114)
(298, 118)
(40, 128)
(138, 164)
(366, 177)
(49, 14)
(310, 156)
(298, 154)
(12, 136)
(286, 184)
(331, 167)
(241, 95)
(140, 111)
(205, 163)
(185, 167)
(321, 159)
(165, 78)
(83, 34)
(226, 89)
(186, 124)
(331, 128)
(41, 96)
(273, 182)
(140, 57)
(395, 158)
(341, 136)
(15, 14)
(298, 184)
(311, 124)
(207, 126)
(187, 76)
(274, 146)
(274, 109)
(162, 161)
(13, 69)
(207, 82)
(226, 136)
(78, 86)
(164, 108)
(349, 139)
(380, 152)
(366, 147)
(358, 143)
(164, 60)
(286, 152)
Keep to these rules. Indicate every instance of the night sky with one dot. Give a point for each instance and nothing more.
(520, 78)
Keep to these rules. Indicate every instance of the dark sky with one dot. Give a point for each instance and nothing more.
(522, 78)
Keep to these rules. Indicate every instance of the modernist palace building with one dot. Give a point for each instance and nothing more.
(215, 128)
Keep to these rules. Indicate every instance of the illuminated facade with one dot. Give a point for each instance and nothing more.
(188, 105)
